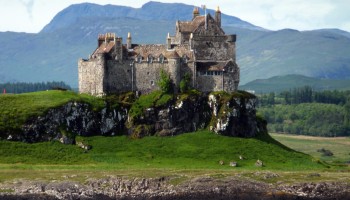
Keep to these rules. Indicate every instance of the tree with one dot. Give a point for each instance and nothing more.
(164, 82)
(185, 83)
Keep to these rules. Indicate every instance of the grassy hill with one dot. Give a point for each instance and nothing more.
(283, 83)
(199, 150)
(15, 109)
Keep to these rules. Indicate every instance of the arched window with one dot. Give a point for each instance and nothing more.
(150, 58)
(161, 58)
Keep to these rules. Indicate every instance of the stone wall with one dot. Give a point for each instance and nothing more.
(213, 48)
(92, 75)
(118, 77)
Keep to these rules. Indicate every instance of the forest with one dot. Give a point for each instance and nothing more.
(23, 87)
(307, 112)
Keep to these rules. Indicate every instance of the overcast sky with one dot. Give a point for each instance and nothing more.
(33, 15)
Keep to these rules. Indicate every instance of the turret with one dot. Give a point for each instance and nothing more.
(218, 16)
(195, 12)
(128, 41)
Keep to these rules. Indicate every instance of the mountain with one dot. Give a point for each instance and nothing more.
(283, 83)
(52, 54)
(150, 11)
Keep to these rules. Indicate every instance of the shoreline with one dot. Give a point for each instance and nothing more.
(203, 187)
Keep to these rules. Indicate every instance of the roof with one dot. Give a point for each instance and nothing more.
(212, 66)
(105, 47)
(160, 49)
(191, 26)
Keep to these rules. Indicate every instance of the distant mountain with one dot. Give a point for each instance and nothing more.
(52, 54)
(283, 83)
(149, 11)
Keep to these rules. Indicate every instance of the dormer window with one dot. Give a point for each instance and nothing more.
(161, 58)
(150, 58)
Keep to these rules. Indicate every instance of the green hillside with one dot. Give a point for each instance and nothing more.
(15, 109)
(283, 83)
(199, 150)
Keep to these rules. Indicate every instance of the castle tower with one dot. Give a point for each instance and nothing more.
(195, 12)
(218, 16)
(128, 41)
(174, 61)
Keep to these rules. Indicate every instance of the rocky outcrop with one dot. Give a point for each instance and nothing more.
(72, 119)
(226, 114)
(162, 188)
(231, 114)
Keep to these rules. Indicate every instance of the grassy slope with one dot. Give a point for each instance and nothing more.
(15, 109)
(200, 150)
(340, 146)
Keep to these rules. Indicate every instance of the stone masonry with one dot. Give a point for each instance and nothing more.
(199, 48)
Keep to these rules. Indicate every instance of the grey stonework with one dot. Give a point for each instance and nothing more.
(199, 48)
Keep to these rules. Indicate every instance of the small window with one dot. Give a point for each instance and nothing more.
(185, 58)
(147, 73)
(139, 59)
(152, 83)
(150, 59)
(161, 58)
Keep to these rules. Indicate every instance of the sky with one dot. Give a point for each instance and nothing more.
(32, 15)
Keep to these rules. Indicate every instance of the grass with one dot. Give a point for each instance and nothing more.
(340, 146)
(200, 150)
(154, 99)
(15, 109)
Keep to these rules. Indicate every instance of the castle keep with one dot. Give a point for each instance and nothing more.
(199, 48)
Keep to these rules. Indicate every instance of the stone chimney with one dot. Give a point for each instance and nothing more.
(168, 42)
(195, 12)
(128, 41)
(218, 16)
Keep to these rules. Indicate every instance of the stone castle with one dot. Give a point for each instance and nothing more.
(199, 48)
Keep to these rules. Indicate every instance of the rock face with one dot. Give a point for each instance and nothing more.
(226, 114)
(71, 119)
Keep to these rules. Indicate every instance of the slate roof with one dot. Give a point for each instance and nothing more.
(212, 65)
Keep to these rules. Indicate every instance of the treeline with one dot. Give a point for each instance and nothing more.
(304, 95)
(22, 87)
(316, 119)
(307, 112)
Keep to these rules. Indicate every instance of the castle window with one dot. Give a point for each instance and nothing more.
(150, 58)
(152, 82)
(161, 58)
(185, 58)
(139, 59)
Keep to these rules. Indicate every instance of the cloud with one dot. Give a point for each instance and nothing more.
(29, 6)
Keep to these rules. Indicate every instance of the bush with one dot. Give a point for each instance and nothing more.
(164, 82)
(185, 83)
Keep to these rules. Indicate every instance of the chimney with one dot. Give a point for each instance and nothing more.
(195, 12)
(168, 41)
(128, 41)
(218, 16)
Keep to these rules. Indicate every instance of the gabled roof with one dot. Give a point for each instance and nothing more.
(105, 47)
(159, 49)
(191, 26)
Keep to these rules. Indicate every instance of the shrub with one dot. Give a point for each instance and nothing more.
(164, 82)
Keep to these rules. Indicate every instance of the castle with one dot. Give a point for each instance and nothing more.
(199, 48)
